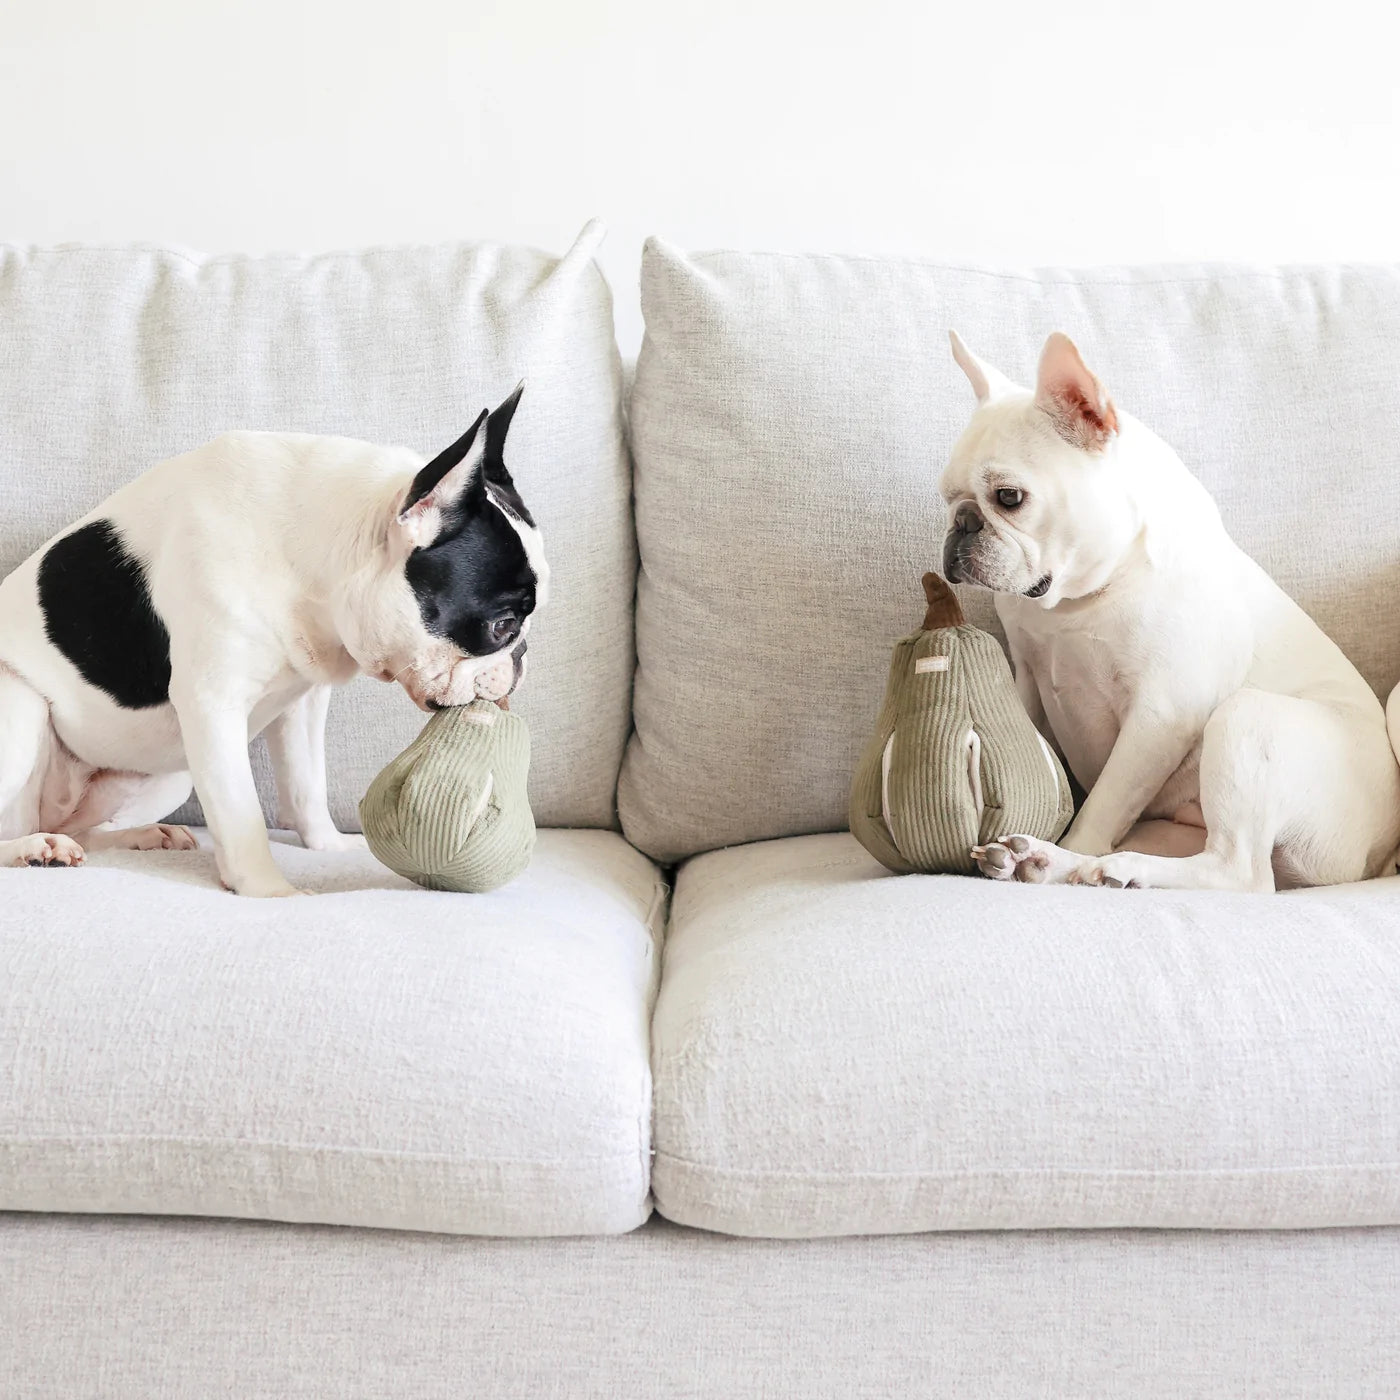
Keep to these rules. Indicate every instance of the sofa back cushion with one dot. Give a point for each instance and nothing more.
(112, 359)
(791, 417)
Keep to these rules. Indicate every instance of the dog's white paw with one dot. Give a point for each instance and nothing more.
(161, 836)
(1107, 872)
(261, 887)
(44, 848)
(1015, 858)
(267, 891)
(334, 841)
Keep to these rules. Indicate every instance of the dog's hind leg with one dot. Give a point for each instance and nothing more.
(155, 836)
(1287, 785)
(122, 811)
(139, 800)
(26, 749)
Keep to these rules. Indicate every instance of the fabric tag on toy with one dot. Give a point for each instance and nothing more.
(930, 663)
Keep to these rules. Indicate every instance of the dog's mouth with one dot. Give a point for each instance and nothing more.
(1039, 589)
(498, 682)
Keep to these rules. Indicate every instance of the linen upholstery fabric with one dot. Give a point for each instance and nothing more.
(791, 417)
(185, 1309)
(841, 1051)
(112, 359)
(376, 1055)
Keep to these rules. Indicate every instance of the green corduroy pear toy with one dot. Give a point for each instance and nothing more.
(955, 761)
(451, 811)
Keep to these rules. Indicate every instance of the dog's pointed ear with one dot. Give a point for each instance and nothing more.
(445, 487)
(987, 382)
(1069, 391)
(497, 475)
(498, 425)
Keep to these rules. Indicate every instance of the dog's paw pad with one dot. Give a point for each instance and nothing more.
(1014, 858)
(995, 861)
(46, 849)
(1032, 869)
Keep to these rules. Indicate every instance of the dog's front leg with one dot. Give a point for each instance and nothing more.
(1150, 747)
(296, 742)
(215, 733)
(1028, 688)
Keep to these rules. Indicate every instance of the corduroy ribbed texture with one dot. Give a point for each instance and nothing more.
(931, 716)
(451, 811)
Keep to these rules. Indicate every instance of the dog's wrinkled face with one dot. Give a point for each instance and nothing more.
(1035, 501)
(464, 574)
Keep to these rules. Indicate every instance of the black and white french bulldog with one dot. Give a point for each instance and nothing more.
(221, 595)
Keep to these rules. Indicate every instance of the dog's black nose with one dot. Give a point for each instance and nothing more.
(950, 558)
(968, 520)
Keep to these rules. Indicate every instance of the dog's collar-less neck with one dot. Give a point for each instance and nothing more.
(358, 537)
(1127, 563)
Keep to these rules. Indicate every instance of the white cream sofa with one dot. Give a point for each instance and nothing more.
(705, 1104)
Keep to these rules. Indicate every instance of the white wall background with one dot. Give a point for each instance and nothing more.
(1017, 132)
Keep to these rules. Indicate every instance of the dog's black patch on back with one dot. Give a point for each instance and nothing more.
(98, 613)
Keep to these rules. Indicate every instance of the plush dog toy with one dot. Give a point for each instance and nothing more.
(955, 761)
(451, 811)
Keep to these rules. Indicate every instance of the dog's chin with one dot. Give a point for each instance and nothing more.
(433, 697)
(427, 703)
(967, 573)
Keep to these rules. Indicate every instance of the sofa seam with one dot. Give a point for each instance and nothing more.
(1227, 272)
(658, 924)
(196, 259)
(769, 1174)
(331, 1149)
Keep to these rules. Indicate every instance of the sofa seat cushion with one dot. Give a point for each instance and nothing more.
(373, 1055)
(842, 1051)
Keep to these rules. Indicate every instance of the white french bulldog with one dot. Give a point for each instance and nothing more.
(219, 596)
(1224, 741)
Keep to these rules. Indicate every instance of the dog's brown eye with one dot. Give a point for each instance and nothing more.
(1010, 497)
(502, 629)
